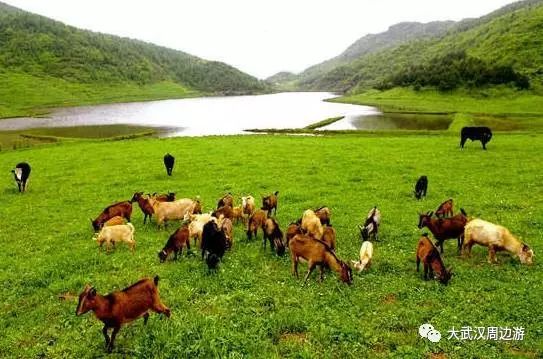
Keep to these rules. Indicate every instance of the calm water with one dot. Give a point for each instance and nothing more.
(203, 116)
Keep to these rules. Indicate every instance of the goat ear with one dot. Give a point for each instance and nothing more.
(431, 213)
(525, 247)
(450, 270)
(92, 292)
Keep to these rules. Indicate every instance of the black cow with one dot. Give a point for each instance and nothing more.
(169, 161)
(213, 244)
(421, 187)
(483, 134)
(21, 174)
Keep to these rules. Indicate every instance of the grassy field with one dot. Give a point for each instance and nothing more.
(495, 101)
(27, 95)
(253, 307)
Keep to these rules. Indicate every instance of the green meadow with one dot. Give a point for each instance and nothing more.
(252, 306)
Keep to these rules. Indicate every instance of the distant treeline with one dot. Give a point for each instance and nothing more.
(454, 70)
(37, 45)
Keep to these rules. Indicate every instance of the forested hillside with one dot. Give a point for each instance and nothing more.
(35, 46)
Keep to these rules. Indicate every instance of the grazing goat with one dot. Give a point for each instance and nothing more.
(196, 226)
(311, 224)
(166, 197)
(227, 200)
(248, 204)
(428, 254)
(371, 225)
(169, 161)
(121, 307)
(115, 221)
(316, 252)
(213, 244)
(171, 211)
(496, 238)
(269, 203)
(324, 215)
(176, 242)
(122, 209)
(366, 253)
(225, 211)
(21, 173)
(274, 235)
(225, 225)
(197, 206)
(483, 134)
(421, 187)
(144, 204)
(445, 209)
(329, 237)
(257, 220)
(445, 228)
(114, 234)
(292, 230)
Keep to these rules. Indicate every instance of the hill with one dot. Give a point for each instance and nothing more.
(34, 46)
(505, 41)
(395, 35)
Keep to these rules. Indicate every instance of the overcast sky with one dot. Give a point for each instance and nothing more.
(258, 37)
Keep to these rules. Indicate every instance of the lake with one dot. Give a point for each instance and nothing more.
(199, 116)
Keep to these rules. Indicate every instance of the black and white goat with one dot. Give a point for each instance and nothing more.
(371, 225)
(21, 174)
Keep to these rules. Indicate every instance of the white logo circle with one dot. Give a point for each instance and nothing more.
(424, 329)
(434, 336)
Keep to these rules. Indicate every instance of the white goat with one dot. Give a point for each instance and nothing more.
(496, 238)
(114, 234)
(366, 253)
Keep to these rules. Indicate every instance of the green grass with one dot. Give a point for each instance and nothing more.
(493, 101)
(253, 307)
(28, 95)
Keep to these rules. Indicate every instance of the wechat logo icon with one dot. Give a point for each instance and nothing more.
(427, 331)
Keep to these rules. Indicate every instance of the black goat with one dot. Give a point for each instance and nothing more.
(421, 187)
(169, 161)
(214, 244)
(21, 174)
(483, 134)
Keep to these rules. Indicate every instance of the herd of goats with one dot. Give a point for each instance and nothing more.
(311, 239)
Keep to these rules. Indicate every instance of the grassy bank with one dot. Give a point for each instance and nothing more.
(253, 307)
(494, 101)
(27, 95)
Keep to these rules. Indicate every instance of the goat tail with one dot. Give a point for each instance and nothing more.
(463, 212)
(156, 279)
(131, 226)
(276, 193)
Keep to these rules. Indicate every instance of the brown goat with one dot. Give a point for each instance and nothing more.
(329, 237)
(324, 215)
(145, 206)
(227, 200)
(445, 228)
(316, 252)
(226, 227)
(197, 206)
(269, 203)
(292, 230)
(257, 220)
(122, 209)
(176, 242)
(115, 221)
(225, 211)
(445, 209)
(428, 254)
(274, 235)
(121, 307)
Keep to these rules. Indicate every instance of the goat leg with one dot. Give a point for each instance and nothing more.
(145, 318)
(112, 340)
(426, 268)
(418, 263)
(321, 267)
(311, 267)
(106, 336)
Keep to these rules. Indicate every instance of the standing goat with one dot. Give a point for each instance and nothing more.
(274, 235)
(445, 228)
(365, 255)
(169, 161)
(371, 225)
(21, 173)
(428, 254)
(421, 187)
(269, 203)
(445, 209)
(121, 307)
